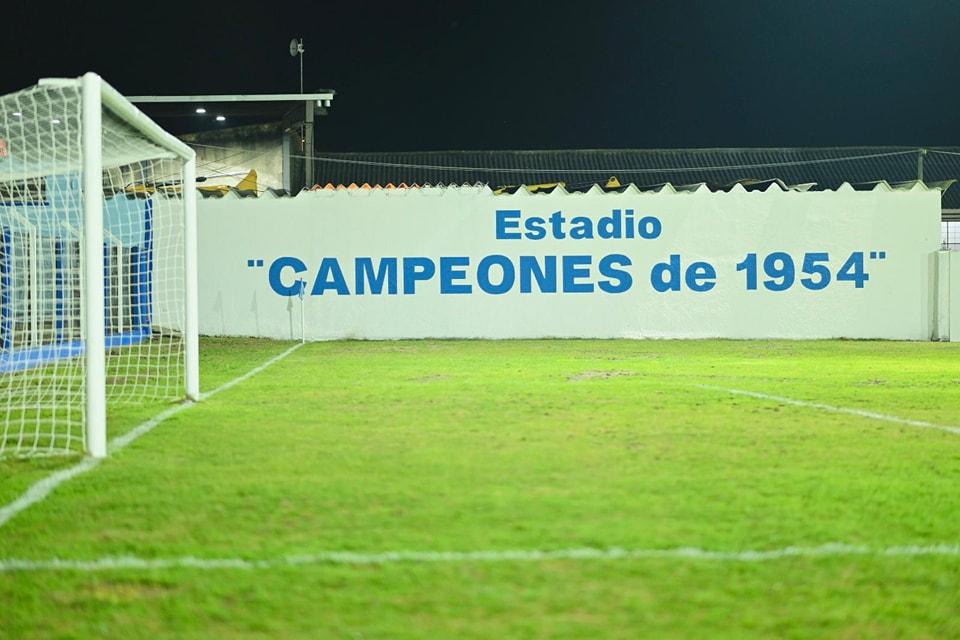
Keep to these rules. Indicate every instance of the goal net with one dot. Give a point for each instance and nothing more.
(97, 267)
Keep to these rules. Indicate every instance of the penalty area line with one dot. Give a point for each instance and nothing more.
(353, 558)
(920, 424)
(43, 488)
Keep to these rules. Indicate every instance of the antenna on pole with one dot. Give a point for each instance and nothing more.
(296, 49)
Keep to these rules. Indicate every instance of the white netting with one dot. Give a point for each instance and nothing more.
(951, 235)
(41, 270)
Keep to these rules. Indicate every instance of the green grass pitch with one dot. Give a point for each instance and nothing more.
(433, 446)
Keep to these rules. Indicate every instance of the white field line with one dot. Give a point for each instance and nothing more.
(43, 488)
(113, 563)
(252, 372)
(920, 424)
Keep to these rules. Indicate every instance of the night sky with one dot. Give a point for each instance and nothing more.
(547, 75)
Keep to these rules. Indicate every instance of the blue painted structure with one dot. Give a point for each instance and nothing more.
(129, 221)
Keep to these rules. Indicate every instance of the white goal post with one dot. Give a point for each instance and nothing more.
(98, 265)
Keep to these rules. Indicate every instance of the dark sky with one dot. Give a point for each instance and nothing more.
(538, 75)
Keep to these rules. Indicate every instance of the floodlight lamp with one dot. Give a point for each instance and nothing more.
(221, 118)
(201, 110)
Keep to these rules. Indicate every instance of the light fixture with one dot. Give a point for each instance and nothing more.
(54, 121)
(17, 114)
(201, 110)
(221, 118)
(326, 103)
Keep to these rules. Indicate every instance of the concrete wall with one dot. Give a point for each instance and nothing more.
(947, 307)
(168, 257)
(252, 252)
(953, 288)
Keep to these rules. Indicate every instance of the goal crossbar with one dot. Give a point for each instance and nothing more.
(112, 99)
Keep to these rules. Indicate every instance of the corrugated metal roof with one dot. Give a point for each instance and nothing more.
(366, 190)
(825, 167)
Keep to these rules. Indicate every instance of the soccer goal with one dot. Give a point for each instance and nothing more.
(98, 284)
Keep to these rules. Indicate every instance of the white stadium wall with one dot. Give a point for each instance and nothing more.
(168, 294)
(460, 262)
(953, 293)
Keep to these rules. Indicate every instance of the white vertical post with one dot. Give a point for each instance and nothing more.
(953, 294)
(192, 328)
(96, 375)
(35, 312)
(121, 288)
(302, 294)
(943, 296)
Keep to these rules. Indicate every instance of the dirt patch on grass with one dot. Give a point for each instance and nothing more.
(437, 377)
(119, 591)
(599, 375)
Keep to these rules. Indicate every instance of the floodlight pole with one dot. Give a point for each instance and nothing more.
(307, 127)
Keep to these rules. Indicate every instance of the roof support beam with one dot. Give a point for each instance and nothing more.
(324, 96)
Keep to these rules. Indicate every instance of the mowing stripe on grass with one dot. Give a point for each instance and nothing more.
(43, 488)
(114, 563)
(921, 424)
